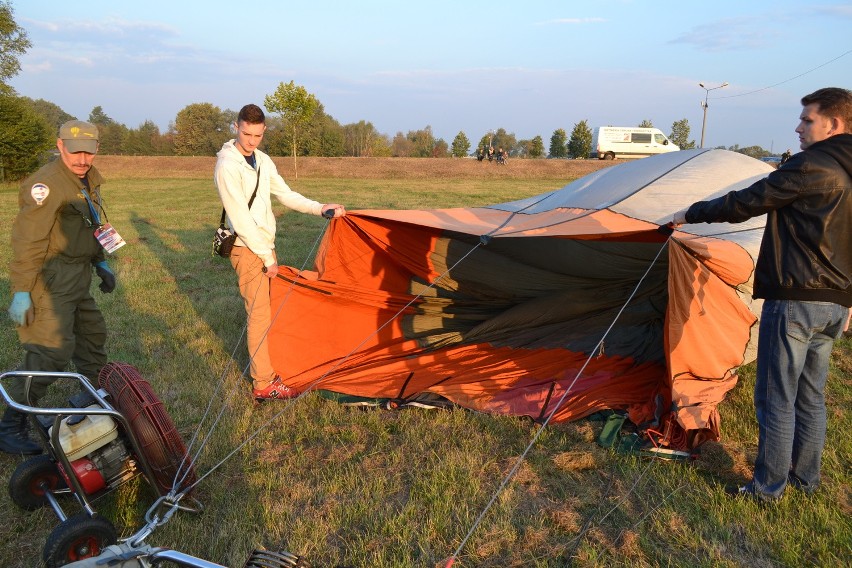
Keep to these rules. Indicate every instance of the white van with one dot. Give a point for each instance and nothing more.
(610, 142)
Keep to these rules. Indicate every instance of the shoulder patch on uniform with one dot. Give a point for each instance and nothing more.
(39, 191)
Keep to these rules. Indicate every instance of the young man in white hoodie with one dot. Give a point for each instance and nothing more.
(240, 169)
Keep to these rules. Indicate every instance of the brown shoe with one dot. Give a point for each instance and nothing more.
(275, 390)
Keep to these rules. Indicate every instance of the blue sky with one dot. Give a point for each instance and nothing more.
(473, 66)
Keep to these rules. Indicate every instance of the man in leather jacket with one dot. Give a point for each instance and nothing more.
(804, 275)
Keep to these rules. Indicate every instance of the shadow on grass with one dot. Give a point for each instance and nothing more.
(206, 287)
(206, 281)
(721, 464)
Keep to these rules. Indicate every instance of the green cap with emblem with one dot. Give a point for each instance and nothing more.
(79, 136)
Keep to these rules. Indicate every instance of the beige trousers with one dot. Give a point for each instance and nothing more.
(254, 288)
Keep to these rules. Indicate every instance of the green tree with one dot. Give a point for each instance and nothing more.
(146, 141)
(503, 139)
(422, 142)
(461, 145)
(112, 138)
(200, 129)
(359, 138)
(24, 138)
(646, 124)
(99, 117)
(485, 141)
(52, 114)
(168, 140)
(363, 140)
(296, 106)
(276, 140)
(528, 148)
(330, 137)
(580, 144)
(753, 151)
(112, 134)
(521, 149)
(680, 134)
(558, 144)
(322, 136)
(163, 142)
(382, 146)
(13, 43)
(536, 149)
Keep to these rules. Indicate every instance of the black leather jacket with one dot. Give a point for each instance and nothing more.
(806, 251)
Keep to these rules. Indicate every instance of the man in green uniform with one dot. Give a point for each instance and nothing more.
(55, 247)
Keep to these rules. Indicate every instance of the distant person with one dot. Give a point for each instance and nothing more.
(804, 275)
(786, 156)
(241, 169)
(480, 154)
(501, 155)
(58, 238)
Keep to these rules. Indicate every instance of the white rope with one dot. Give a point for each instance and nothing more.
(342, 360)
(544, 424)
(179, 477)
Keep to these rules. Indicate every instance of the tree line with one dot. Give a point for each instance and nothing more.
(297, 126)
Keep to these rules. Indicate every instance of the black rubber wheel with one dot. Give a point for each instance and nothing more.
(31, 479)
(76, 538)
(609, 156)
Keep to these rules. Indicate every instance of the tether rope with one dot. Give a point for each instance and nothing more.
(189, 464)
(179, 477)
(785, 80)
(653, 509)
(483, 240)
(544, 424)
(588, 524)
(314, 383)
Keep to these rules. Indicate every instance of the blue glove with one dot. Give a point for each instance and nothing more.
(21, 309)
(107, 277)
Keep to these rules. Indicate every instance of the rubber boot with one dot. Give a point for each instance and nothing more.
(13, 434)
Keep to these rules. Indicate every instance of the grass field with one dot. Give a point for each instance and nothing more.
(389, 489)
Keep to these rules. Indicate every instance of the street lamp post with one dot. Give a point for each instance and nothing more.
(704, 105)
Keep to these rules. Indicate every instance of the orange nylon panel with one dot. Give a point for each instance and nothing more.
(707, 330)
(318, 323)
(357, 249)
(725, 259)
(350, 357)
(341, 328)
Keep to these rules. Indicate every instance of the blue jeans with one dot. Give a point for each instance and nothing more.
(793, 351)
